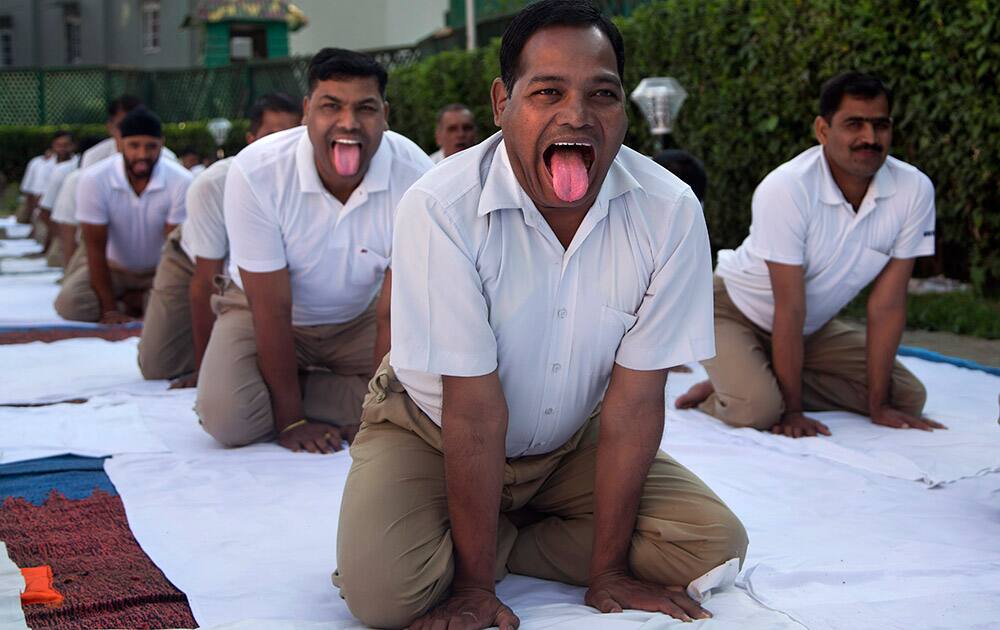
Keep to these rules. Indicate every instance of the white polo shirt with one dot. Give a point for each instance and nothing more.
(28, 179)
(135, 223)
(800, 217)
(108, 147)
(481, 282)
(437, 156)
(204, 232)
(278, 214)
(56, 179)
(64, 209)
(37, 177)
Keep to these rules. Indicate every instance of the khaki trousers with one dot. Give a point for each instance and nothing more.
(77, 300)
(166, 348)
(834, 371)
(234, 404)
(394, 547)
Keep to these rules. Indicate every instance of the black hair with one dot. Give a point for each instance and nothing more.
(687, 167)
(856, 84)
(87, 142)
(336, 63)
(123, 105)
(548, 13)
(189, 150)
(451, 107)
(273, 102)
(62, 133)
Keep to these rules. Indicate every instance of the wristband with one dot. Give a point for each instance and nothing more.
(297, 423)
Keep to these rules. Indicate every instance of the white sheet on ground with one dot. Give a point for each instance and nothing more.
(11, 587)
(24, 265)
(28, 300)
(13, 229)
(19, 247)
(71, 368)
(964, 400)
(97, 428)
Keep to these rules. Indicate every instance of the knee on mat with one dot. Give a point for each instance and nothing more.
(74, 308)
(760, 412)
(149, 366)
(379, 599)
(911, 398)
(227, 421)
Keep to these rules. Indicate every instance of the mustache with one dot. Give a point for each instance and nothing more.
(868, 147)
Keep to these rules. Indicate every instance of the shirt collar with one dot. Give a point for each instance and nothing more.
(375, 179)
(882, 185)
(120, 181)
(501, 189)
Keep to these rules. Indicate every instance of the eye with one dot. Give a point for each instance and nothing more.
(606, 94)
(548, 92)
(882, 125)
(853, 124)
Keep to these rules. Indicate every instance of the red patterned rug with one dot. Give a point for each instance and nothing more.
(116, 333)
(106, 578)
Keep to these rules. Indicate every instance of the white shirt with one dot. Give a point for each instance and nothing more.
(56, 179)
(37, 178)
(135, 223)
(64, 209)
(481, 282)
(278, 214)
(108, 147)
(204, 233)
(800, 217)
(437, 156)
(197, 169)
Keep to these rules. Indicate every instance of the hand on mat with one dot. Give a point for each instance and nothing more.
(889, 417)
(115, 317)
(615, 592)
(185, 382)
(795, 425)
(468, 609)
(313, 437)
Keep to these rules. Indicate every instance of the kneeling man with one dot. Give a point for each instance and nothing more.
(545, 281)
(309, 213)
(825, 224)
(126, 205)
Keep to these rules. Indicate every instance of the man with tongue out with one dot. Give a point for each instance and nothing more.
(545, 280)
(309, 213)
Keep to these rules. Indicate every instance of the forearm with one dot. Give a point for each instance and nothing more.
(474, 457)
(202, 317)
(787, 350)
(884, 331)
(67, 236)
(629, 439)
(277, 362)
(100, 278)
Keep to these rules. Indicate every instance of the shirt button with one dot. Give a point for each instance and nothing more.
(562, 313)
(556, 367)
(549, 411)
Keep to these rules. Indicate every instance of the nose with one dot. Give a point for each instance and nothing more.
(575, 111)
(868, 132)
(348, 120)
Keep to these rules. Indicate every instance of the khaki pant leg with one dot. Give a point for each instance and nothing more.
(166, 348)
(233, 403)
(343, 353)
(835, 377)
(683, 529)
(746, 390)
(77, 300)
(394, 547)
(54, 257)
(22, 215)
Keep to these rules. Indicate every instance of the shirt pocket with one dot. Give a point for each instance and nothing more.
(869, 264)
(366, 267)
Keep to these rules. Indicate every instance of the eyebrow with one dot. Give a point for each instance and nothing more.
(872, 119)
(553, 78)
(334, 99)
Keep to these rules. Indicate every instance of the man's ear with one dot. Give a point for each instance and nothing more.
(385, 110)
(499, 97)
(821, 128)
(305, 110)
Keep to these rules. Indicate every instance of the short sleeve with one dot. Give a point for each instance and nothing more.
(917, 236)
(64, 210)
(91, 204)
(674, 323)
(254, 232)
(205, 228)
(778, 226)
(440, 322)
(178, 205)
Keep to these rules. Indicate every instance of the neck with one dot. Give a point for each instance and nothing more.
(565, 221)
(137, 184)
(341, 187)
(854, 188)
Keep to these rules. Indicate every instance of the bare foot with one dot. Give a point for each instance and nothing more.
(694, 396)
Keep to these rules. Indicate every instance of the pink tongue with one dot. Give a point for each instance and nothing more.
(346, 158)
(569, 174)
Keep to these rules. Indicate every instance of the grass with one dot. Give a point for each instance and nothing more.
(960, 313)
(8, 201)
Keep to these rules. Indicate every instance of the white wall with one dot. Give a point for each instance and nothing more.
(366, 24)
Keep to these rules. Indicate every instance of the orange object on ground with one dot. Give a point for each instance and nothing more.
(38, 587)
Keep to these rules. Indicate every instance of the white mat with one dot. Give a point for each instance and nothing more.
(98, 428)
(24, 265)
(962, 399)
(19, 247)
(28, 299)
(11, 587)
(72, 368)
(13, 229)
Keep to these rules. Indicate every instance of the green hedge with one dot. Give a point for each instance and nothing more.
(753, 72)
(19, 144)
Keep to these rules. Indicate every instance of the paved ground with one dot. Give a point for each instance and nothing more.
(984, 351)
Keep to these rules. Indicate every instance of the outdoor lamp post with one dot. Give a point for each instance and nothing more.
(660, 99)
(219, 128)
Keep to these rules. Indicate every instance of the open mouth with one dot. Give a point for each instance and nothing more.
(568, 165)
(346, 156)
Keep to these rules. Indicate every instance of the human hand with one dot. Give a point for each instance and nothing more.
(185, 382)
(889, 417)
(115, 317)
(468, 609)
(794, 424)
(614, 592)
(312, 437)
